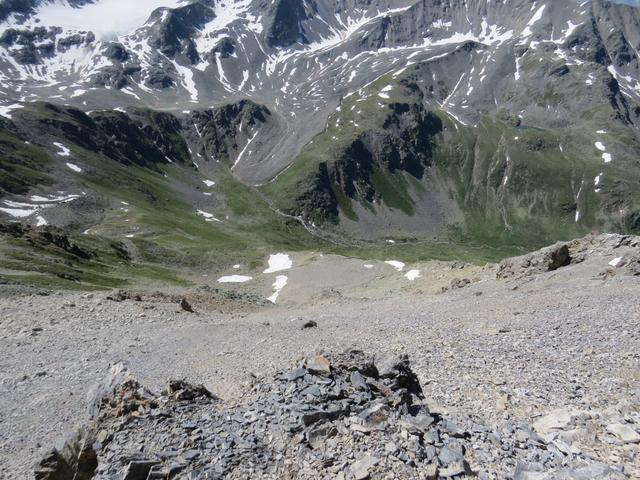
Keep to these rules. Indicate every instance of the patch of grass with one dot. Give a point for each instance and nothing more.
(422, 251)
(344, 202)
(104, 269)
(22, 166)
(393, 189)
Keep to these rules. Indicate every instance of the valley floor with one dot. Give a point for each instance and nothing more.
(506, 351)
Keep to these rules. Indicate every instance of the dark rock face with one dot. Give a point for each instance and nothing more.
(139, 136)
(149, 137)
(225, 47)
(118, 52)
(158, 78)
(176, 33)
(31, 46)
(286, 26)
(404, 144)
(219, 129)
(9, 7)
(143, 137)
(319, 200)
(112, 77)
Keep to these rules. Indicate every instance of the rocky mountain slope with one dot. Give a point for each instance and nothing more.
(505, 124)
(524, 369)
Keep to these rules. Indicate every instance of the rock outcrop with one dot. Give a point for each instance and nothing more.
(342, 416)
(563, 254)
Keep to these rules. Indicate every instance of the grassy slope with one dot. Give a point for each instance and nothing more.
(21, 165)
(171, 241)
(536, 206)
(169, 237)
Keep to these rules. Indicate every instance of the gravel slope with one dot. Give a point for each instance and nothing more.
(504, 350)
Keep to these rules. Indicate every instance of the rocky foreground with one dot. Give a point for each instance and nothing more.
(529, 370)
(346, 416)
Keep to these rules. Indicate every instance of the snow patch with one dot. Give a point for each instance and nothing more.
(279, 262)
(278, 285)
(62, 150)
(5, 110)
(616, 262)
(23, 209)
(209, 217)
(19, 212)
(413, 275)
(74, 167)
(234, 279)
(395, 264)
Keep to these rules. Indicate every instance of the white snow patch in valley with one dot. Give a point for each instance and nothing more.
(413, 275)
(606, 156)
(63, 151)
(5, 110)
(234, 279)
(616, 261)
(368, 265)
(18, 212)
(597, 180)
(241, 154)
(41, 221)
(278, 285)
(189, 84)
(209, 183)
(74, 167)
(23, 209)
(279, 262)
(54, 199)
(209, 217)
(395, 264)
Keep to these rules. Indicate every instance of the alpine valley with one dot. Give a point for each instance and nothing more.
(203, 132)
(319, 239)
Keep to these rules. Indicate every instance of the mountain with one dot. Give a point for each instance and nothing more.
(339, 124)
